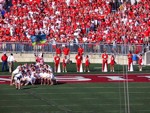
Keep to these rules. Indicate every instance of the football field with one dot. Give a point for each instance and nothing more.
(93, 92)
(77, 97)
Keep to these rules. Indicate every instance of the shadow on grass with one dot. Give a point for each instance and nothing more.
(29, 87)
(38, 85)
(60, 83)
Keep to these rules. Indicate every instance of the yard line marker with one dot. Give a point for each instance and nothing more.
(148, 77)
(5, 79)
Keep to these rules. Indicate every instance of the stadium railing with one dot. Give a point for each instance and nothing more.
(93, 48)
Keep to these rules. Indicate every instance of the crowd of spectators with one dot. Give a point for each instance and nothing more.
(79, 21)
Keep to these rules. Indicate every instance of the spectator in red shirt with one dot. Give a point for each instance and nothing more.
(80, 50)
(58, 50)
(4, 62)
(66, 51)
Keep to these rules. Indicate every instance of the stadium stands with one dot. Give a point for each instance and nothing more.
(90, 21)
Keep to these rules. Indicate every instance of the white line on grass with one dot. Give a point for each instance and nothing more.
(74, 93)
(28, 99)
(84, 111)
(19, 100)
(63, 99)
(92, 87)
(102, 104)
(91, 93)
(145, 110)
(15, 106)
(62, 88)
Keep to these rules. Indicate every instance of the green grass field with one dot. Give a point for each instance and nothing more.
(77, 98)
(94, 68)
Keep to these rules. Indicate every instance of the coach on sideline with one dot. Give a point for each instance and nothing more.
(4, 62)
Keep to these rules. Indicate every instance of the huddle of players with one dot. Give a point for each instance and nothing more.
(31, 74)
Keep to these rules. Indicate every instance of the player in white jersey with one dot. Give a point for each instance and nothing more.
(44, 76)
(41, 74)
(16, 71)
(50, 78)
(17, 79)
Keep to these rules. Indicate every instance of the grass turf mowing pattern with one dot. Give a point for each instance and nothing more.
(74, 98)
(94, 68)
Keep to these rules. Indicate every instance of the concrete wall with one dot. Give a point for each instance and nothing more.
(120, 59)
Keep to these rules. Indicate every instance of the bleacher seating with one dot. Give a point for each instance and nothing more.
(77, 20)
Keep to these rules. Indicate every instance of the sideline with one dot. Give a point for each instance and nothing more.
(88, 78)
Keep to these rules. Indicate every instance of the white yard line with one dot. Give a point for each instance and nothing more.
(77, 93)
(27, 99)
(72, 88)
(14, 106)
(64, 99)
(145, 110)
(19, 100)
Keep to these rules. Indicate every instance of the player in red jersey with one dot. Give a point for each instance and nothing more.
(112, 63)
(78, 62)
(104, 62)
(130, 61)
(64, 64)
(87, 63)
(140, 61)
(57, 62)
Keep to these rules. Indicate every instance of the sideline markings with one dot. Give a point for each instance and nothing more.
(99, 78)
(45, 105)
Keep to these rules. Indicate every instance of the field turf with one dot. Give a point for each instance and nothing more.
(94, 68)
(77, 97)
